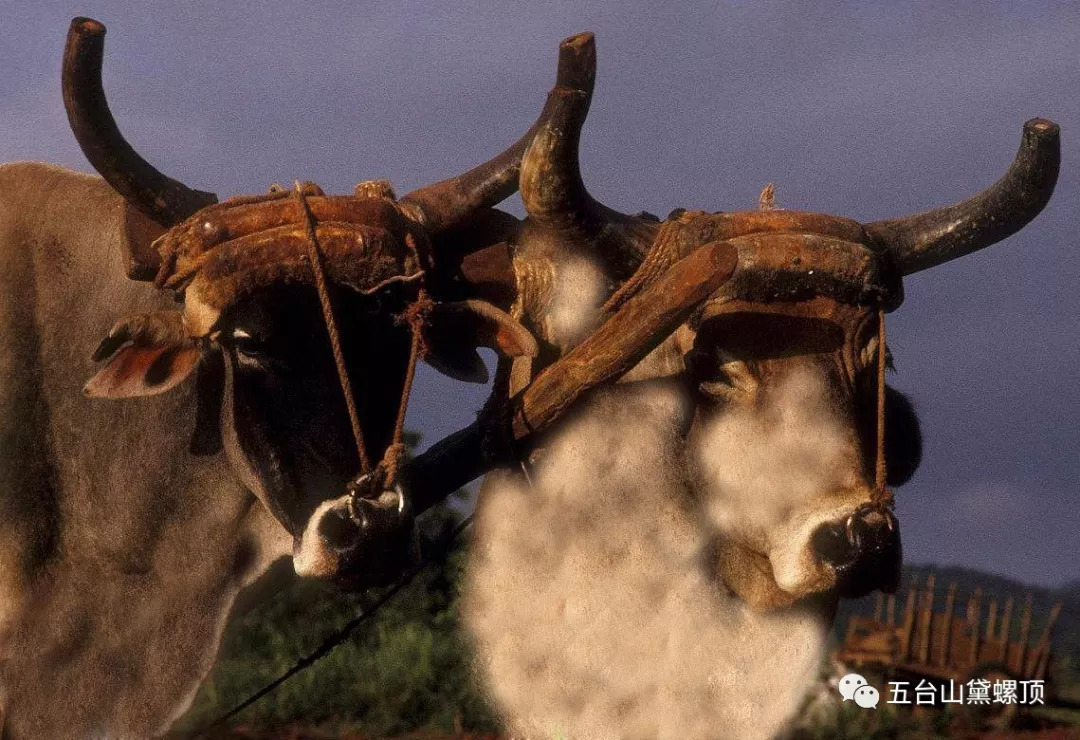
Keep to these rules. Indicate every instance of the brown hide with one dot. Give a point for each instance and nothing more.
(120, 552)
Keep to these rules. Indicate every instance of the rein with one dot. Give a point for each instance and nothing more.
(371, 480)
(880, 472)
(315, 258)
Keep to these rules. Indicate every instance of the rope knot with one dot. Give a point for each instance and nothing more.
(415, 316)
(391, 463)
(884, 498)
(416, 313)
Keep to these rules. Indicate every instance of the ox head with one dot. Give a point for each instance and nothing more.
(252, 331)
(792, 435)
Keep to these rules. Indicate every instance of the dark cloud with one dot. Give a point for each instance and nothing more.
(862, 109)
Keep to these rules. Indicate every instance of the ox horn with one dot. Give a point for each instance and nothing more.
(163, 199)
(930, 238)
(551, 187)
(448, 203)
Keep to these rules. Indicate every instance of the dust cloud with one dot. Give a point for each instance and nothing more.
(770, 471)
(592, 598)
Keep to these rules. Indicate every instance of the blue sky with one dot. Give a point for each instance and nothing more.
(866, 110)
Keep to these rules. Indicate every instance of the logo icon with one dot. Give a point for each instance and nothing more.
(867, 697)
(854, 687)
(848, 685)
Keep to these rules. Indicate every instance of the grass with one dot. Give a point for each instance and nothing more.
(409, 669)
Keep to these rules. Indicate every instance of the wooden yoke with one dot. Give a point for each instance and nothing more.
(621, 342)
(633, 331)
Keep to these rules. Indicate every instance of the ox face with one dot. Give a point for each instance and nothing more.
(251, 329)
(283, 419)
(270, 397)
(782, 451)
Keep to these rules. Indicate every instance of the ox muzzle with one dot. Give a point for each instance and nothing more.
(359, 542)
(863, 551)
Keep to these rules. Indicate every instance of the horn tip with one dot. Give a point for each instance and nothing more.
(579, 40)
(1042, 129)
(87, 26)
(577, 63)
(1041, 125)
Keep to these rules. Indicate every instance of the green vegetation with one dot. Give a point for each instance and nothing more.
(408, 669)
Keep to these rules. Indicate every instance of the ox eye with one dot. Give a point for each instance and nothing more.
(247, 345)
(718, 374)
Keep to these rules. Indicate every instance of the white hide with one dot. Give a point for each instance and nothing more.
(592, 599)
(579, 291)
(772, 472)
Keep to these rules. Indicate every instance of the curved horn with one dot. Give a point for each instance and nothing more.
(447, 203)
(161, 198)
(551, 187)
(930, 238)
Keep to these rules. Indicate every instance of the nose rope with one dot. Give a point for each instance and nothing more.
(415, 316)
(315, 257)
(880, 471)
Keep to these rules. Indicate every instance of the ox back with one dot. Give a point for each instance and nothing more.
(120, 551)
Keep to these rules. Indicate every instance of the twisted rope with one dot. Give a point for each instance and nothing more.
(880, 470)
(315, 257)
(415, 316)
(661, 255)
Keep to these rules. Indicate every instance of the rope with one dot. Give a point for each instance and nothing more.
(880, 471)
(315, 257)
(415, 315)
(336, 638)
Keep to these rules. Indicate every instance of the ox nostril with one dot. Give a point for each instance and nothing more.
(338, 530)
(876, 526)
(832, 544)
(863, 549)
(873, 523)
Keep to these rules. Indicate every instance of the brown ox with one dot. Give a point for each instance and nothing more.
(668, 561)
(124, 538)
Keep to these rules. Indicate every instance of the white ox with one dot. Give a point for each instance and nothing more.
(668, 561)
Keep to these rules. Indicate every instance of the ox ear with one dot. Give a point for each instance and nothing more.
(453, 331)
(148, 354)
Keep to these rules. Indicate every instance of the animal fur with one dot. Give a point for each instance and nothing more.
(593, 600)
(120, 552)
